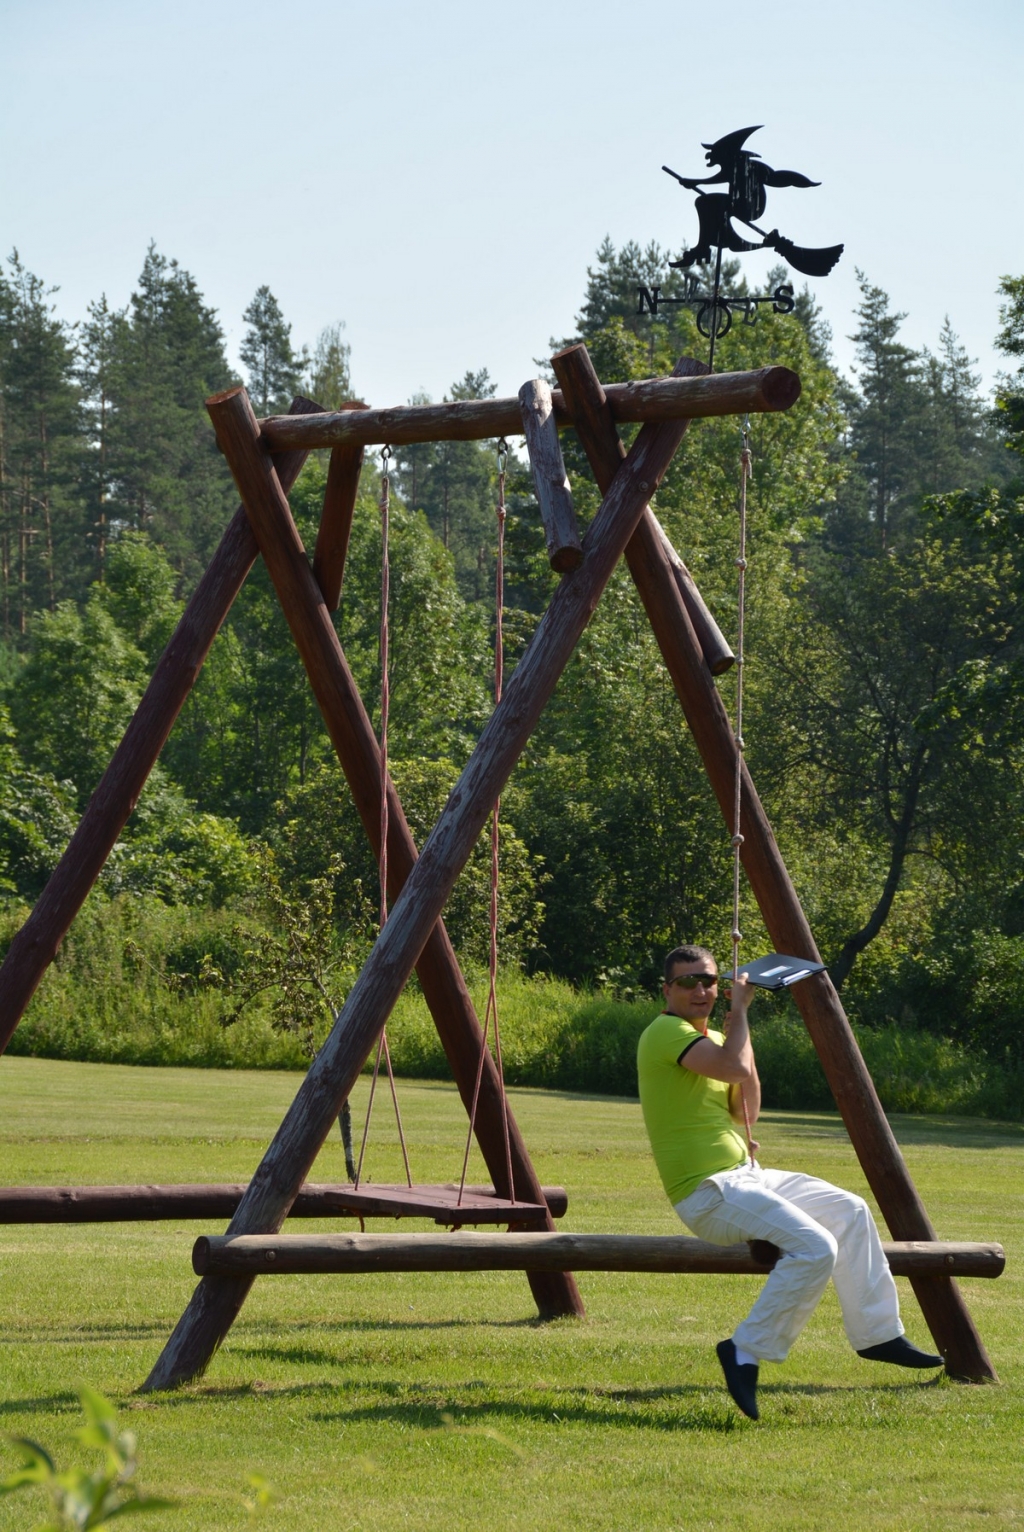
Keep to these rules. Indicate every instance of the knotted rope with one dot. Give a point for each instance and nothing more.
(737, 836)
(492, 995)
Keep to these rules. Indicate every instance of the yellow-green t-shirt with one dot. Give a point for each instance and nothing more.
(687, 1115)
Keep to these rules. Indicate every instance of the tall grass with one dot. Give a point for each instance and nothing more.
(121, 991)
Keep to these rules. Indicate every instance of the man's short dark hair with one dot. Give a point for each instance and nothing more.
(688, 954)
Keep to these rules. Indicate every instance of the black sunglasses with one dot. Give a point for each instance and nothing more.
(691, 980)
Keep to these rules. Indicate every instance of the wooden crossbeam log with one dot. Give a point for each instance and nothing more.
(550, 480)
(141, 1204)
(336, 518)
(717, 653)
(307, 1253)
(646, 401)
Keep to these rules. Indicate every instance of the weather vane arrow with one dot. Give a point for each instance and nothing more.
(747, 178)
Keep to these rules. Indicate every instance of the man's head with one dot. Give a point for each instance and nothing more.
(691, 983)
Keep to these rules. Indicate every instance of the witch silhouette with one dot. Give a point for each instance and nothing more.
(747, 177)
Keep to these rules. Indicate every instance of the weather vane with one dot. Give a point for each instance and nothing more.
(747, 178)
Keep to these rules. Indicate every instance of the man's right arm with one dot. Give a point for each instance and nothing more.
(733, 1060)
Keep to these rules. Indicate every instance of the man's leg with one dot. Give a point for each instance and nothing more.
(738, 1206)
(863, 1282)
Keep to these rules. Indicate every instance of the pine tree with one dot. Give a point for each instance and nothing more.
(266, 352)
(962, 449)
(99, 340)
(888, 415)
(330, 382)
(451, 482)
(40, 446)
(163, 473)
(1010, 340)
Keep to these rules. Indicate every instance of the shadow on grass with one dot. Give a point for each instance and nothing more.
(659, 1409)
(299, 1356)
(45, 1404)
(391, 1326)
(680, 1407)
(957, 1132)
(88, 1334)
(442, 1407)
(944, 1132)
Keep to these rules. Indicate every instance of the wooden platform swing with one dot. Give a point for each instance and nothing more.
(265, 458)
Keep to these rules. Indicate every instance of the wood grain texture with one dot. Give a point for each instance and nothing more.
(336, 518)
(848, 1076)
(276, 1254)
(550, 480)
(143, 1204)
(718, 655)
(648, 400)
(107, 812)
(332, 1074)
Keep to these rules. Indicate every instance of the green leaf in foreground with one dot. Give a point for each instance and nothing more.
(81, 1499)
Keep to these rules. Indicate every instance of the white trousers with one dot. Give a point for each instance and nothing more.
(822, 1232)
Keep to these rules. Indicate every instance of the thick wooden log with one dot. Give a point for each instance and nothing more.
(307, 1253)
(35, 946)
(336, 518)
(332, 1074)
(141, 1204)
(550, 480)
(718, 656)
(649, 400)
(851, 1084)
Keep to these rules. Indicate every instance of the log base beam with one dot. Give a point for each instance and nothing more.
(249, 1255)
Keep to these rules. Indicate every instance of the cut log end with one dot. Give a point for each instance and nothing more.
(781, 387)
(227, 393)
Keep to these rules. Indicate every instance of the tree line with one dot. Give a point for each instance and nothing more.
(883, 684)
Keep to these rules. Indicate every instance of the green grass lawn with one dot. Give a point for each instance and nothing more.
(437, 1401)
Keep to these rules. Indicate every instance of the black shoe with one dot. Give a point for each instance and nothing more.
(902, 1353)
(740, 1380)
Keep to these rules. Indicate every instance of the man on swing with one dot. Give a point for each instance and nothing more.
(698, 1087)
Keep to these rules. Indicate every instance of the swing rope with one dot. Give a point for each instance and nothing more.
(385, 706)
(492, 994)
(737, 837)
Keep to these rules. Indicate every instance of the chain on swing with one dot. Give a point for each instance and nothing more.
(491, 1012)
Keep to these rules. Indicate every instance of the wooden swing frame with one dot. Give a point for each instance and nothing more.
(265, 459)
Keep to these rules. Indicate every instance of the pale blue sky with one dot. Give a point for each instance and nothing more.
(439, 175)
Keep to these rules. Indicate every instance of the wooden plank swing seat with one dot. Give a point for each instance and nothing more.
(280, 1255)
(265, 458)
(371, 1199)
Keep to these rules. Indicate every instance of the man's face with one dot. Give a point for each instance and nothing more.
(697, 1002)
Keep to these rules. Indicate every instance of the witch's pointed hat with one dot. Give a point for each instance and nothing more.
(730, 144)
